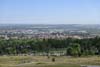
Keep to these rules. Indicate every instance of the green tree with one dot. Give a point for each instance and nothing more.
(74, 49)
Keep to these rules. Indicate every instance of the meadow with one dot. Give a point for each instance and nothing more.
(44, 61)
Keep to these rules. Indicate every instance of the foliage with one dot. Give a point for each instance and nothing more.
(74, 47)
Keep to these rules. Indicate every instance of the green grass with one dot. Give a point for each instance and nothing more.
(43, 61)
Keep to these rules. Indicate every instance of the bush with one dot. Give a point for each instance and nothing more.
(53, 59)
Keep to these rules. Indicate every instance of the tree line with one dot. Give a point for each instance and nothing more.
(74, 47)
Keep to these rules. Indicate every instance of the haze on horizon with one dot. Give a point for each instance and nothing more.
(49, 11)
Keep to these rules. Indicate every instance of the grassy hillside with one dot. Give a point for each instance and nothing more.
(44, 61)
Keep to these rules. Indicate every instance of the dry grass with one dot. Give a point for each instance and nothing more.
(44, 61)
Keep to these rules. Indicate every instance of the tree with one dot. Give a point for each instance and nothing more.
(74, 49)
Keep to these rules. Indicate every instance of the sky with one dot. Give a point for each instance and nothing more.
(49, 11)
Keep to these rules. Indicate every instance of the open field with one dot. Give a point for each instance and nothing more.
(44, 61)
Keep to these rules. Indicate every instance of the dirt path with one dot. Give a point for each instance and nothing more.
(93, 66)
(25, 63)
(89, 66)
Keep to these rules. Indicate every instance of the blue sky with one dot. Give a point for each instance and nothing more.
(49, 11)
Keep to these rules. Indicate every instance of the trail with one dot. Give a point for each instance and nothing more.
(93, 66)
(25, 63)
(89, 66)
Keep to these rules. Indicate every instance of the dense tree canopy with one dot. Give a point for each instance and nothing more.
(74, 47)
